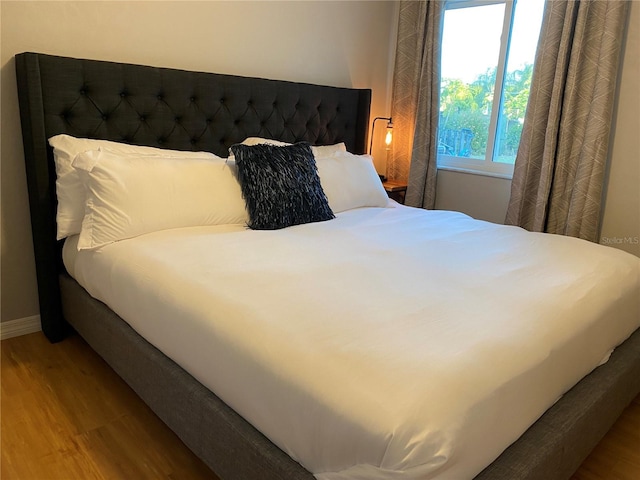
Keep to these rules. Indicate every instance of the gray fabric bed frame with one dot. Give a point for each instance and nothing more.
(204, 111)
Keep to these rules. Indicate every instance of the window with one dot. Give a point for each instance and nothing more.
(488, 50)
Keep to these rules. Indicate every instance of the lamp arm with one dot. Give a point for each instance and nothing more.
(373, 129)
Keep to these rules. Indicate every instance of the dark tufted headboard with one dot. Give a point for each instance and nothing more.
(159, 107)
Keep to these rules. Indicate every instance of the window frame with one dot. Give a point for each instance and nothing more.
(488, 166)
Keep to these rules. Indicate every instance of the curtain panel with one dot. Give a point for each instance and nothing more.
(415, 101)
(560, 166)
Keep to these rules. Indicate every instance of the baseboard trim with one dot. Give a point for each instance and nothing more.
(20, 326)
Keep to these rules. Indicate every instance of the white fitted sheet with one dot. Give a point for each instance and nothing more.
(392, 343)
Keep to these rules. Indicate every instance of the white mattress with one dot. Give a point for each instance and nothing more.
(391, 343)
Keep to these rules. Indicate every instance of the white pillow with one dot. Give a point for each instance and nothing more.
(69, 188)
(259, 141)
(318, 150)
(327, 150)
(129, 196)
(351, 181)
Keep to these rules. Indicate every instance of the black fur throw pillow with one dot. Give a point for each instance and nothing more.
(280, 185)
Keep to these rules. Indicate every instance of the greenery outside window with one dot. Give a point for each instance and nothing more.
(488, 51)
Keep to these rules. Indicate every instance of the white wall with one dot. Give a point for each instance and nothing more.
(621, 216)
(341, 43)
(482, 197)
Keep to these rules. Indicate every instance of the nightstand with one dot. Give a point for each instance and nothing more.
(395, 190)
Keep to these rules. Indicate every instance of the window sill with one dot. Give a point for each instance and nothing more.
(473, 171)
(479, 167)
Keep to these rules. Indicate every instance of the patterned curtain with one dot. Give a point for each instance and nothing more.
(415, 103)
(559, 171)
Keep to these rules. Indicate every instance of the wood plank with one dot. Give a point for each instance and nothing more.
(66, 414)
(617, 456)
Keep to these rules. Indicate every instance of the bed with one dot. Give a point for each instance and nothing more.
(194, 111)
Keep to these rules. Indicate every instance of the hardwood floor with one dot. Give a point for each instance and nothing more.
(66, 415)
(617, 456)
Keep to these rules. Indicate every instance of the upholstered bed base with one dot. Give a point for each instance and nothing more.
(551, 449)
